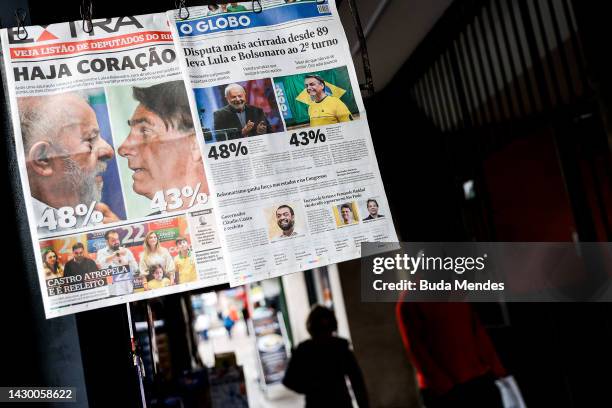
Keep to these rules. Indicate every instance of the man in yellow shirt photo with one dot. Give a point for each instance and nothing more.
(325, 109)
(184, 263)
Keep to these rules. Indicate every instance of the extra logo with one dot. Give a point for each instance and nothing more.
(72, 29)
(46, 35)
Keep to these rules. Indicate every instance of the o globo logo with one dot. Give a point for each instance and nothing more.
(213, 24)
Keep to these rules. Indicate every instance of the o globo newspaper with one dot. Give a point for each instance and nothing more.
(159, 155)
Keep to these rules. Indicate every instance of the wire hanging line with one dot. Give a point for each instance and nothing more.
(86, 11)
(259, 4)
(180, 5)
(20, 17)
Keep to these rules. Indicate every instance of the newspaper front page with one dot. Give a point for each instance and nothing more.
(288, 150)
(111, 168)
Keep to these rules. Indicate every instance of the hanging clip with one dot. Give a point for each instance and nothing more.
(86, 10)
(259, 4)
(20, 17)
(180, 5)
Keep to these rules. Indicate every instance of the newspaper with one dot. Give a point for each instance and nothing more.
(289, 156)
(154, 158)
(111, 168)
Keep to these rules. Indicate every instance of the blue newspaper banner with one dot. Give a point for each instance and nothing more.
(247, 20)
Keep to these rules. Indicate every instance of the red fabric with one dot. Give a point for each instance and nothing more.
(446, 343)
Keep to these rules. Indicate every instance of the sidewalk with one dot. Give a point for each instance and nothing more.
(244, 347)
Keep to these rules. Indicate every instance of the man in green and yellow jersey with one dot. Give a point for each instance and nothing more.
(324, 109)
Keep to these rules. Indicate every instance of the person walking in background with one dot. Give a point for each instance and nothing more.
(244, 308)
(202, 325)
(228, 323)
(318, 367)
(246, 316)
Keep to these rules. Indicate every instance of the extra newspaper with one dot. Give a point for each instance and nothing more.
(110, 164)
(288, 151)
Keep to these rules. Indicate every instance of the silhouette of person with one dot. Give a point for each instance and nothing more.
(318, 366)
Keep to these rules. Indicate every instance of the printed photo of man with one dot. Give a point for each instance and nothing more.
(80, 264)
(285, 219)
(347, 215)
(325, 109)
(161, 148)
(65, 154)
(114, 255)
(239, 119)
(372, 206)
